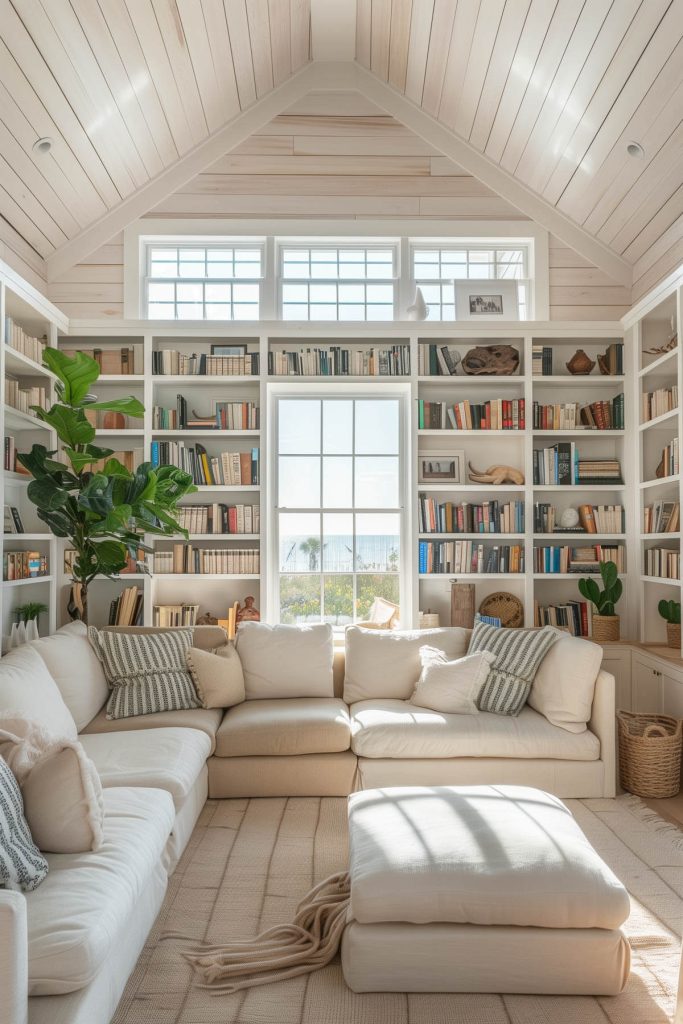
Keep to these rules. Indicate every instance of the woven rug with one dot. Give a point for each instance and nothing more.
(249, 862)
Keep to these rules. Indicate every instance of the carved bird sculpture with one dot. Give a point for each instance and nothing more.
(496, 475)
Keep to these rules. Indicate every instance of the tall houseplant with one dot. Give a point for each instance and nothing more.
(606, 621)
(103, 513)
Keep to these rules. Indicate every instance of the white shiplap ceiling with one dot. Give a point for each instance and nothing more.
(139, 96)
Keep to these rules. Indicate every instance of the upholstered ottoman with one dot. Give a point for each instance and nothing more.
(479, 889)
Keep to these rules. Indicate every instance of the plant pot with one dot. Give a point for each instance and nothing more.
(605, 628)
(673, 635)
(32, 630)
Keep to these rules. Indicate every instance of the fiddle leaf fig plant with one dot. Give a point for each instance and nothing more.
(85, 495)
(605, 599)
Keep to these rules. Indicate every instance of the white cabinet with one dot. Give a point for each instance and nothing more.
(617, 661)
(672, 693)
(646, 684)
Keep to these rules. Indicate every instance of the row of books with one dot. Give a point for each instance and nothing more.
(23, 565)
(603, 415)
(663, 562)
(227, 469)
(17, 338)
(670, 462)
(612, 363)
(337, 361)
(439, 361)
(218, 518)
(576, 617)
(185, 558)
(227, 416)
(167, 615)
(170, 362)
(487, 517)
(126, 609)
(467, 556)
(541, 360)
(656, 403)
(22, 397)
(592, 519)
(114, 361)
(12, 522)
(662, 517)
(497, 414)
(587, 559)
(561, 465)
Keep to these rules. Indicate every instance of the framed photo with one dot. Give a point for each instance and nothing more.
(220, 348)
(486, 299)
(446, 467)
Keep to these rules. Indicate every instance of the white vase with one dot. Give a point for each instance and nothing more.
(18, 634)
(419, 309)
(32, 630)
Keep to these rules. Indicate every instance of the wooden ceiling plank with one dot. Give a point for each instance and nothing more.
(335, 185)
(259, 39)
(418, 48)
(399, 40)
(11, 240)
(240, 48)
(175, 42)
(526, 55)
(352, 162)
(279, 18)
(363, 31)
(380, 28)
(440, 38)
(464, 26)
(219, 46)
(181, 205)
(300, 29)
(197, 45)
(511, 26)
(666, 216)
(15, 214)
(483, 42)
(334, 103)
(18, 189)
(295, 124)
(661, 191)
(366, 144)
(481, 209)
(670, 240)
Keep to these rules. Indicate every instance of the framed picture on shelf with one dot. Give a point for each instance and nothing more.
(446, 467)
(220, 348)
(486, 299)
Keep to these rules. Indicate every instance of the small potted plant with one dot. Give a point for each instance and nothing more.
(671, 613)
(605, 622)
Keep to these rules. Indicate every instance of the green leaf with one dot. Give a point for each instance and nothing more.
(79, 460)
(76, 373)
(96, 495)
(58, 521)
(47, 494)
(114, 521)
(71, 425)
(113, 467)
(129, 406)
(609, 573)
(34, 461)
(111, 556)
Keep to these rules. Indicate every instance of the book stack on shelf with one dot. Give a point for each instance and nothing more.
(170, 362)
(576, 617)
(227, 416)
(438, 361)
(127, 608)
(465, 556)
(218, 518)
(235, 469)
(167, 615)
(592, 519)
(12, 522)
(612, 363)
(497, 414)
(662, 517)
(663, 563)
(133, 565)
(184, 558)
(560, 465)
(23, 397)
(541, 360)
(113, 361)
(606, 415)
(24, 565)
(656, 403)
(17, 338)
(670, 463)
(338, 361)
(586, 559)
(486, 517)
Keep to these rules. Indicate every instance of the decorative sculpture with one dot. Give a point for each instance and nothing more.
(248, 613)
(580, 364)
(496, 475)
(207, 619)
(491, 360)
(419, 310)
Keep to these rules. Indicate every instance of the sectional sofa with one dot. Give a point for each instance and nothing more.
(317, 721)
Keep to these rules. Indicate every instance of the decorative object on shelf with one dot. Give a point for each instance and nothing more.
(418, 309)
(429, 619)
(114, 421)
(17, 637)
(671, 613)
(247, 612)
(486, 299)
(496, 475)
(491, 360)
(580, 365)
(668, 346)
(504, 606)
(605, 622)
(661, 469)
(649, 754)
(103, 514)
(442, 467)
(207, 619)
(569, 518)
(462, 605)
(28, 613)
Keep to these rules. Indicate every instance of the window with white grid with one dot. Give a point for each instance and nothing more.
(435, 268)
(204, 282)
(337, 282)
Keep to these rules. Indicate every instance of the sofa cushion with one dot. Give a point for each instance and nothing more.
(169, 759)
(564, 684)
(217, 675)
(518, 653)
(27, 687)
(76, 669)
(386, 663)
(451, 686)
(286, 661)
(205, 719)
(300, 725)
(22, 865)
(80, 913)
(399, 729)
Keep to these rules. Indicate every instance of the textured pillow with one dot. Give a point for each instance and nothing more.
(217, 676)
(60, 786)
(147, 672)
(518, 653)
(385, 663)
(76, 669)
(565, 682)
(27, 687)
(451, 687)
(22, 866)
(286, 661)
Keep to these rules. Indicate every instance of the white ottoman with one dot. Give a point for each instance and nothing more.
(479, 889)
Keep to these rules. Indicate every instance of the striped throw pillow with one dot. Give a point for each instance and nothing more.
(146, 672)
(518, 653)
(22, 865)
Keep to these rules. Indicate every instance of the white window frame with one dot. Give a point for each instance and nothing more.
(456, 244)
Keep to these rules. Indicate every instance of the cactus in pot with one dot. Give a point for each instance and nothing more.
(605, 621)
(671, 613)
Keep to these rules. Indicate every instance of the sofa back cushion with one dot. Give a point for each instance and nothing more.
(564, 685)
(286, 661)
(76, 669)
(26, 686)
(385, 663)
(518, 652)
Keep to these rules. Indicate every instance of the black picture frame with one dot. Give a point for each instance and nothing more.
(228, 349)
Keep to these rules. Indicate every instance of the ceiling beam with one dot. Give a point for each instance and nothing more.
(333, 29)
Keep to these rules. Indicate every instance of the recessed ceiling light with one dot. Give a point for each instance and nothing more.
(43, 145)
(635, 149)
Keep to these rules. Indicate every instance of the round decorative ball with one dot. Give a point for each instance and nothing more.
(569, 518)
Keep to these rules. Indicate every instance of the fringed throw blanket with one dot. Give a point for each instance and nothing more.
(285, 951)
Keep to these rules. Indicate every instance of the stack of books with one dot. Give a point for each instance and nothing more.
(167, 615)
(17, 338)
(169, 362)
(113, 361)
(598, 471)
(22, 398)
(662, 517)
(656, 403)
(487, 517)
(220, 519)
(576, 617)
(663, 562)
(12, 520)
(541, 361)
(337, 361)
(579, 560)
(184, 558)
(613, 360)
(608, 415)
(465, 557)
(670, 462)
(497, 414)
(437, 361)
(227, 469)
(23, 565)
(555, 465)
(228, 416)
(592, 519)
(126, 609)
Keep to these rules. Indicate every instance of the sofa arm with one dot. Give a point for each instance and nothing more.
(603, 724)
(13, 958)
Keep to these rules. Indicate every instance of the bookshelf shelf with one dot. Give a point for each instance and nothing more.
(228, 487)
(578, 432)
(209, 577)
(665, 363)
(205, 433)
(471, 576)
(120, 432)
(575, 576)
(121, 378)
(10, 477)
(661, 580)
(572, 538)
(210, 536)
(674, 535)
(24, 583)
(575, 380)
(17, 364)
(472, 536)
(563, 488)
(665, 419)
(509, 380)
(27, 536)
(200, 379)
(661, 481)
(472, 488)
(427, 432)
(17, 420)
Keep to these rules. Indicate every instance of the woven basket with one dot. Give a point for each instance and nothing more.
(506, 607)
(605, 628)
(673, 635)
(649, 754)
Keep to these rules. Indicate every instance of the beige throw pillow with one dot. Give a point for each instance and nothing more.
(451, 687)
(217, 676)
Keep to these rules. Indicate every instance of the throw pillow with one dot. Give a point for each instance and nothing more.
(77, 671)
(451, 687)
(147, 672)
(518, 653)
(286, 661)
(27, 687)
(565, 682)
(59, 784)
(22, 866)
(217, 676)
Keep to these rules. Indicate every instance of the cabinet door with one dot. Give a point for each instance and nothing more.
(646, 687)
(618, 664)
(672, 695)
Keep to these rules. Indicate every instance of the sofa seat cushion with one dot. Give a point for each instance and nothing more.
(399, 729)
(76, 669)
(170, 759)
(79, 915)
(205, 719)
(285, 726)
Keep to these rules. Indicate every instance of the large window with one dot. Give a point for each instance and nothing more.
(220, 282)
(435, 268)
(335, 282)
(339, 517)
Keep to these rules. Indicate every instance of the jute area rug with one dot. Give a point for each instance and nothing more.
(249, 862)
